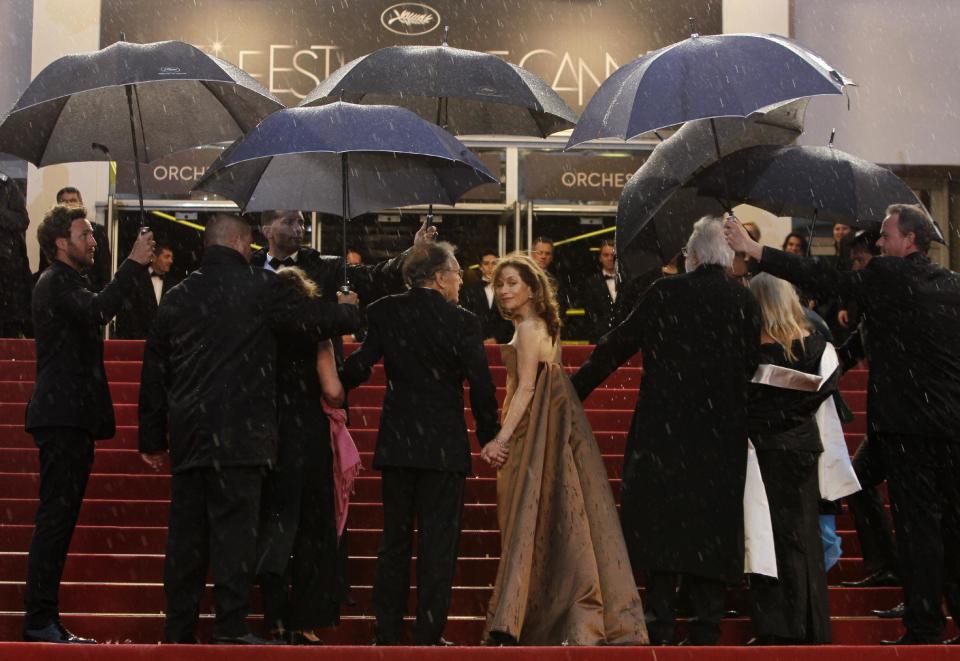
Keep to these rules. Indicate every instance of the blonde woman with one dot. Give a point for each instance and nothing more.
(792, 609)
(564, 575)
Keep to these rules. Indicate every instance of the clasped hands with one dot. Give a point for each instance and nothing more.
(495, 452)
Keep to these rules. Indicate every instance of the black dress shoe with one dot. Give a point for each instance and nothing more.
(246, 639)
(895, 612)
(909, 639)
(881, 579)
(952, 641)
(54, 633)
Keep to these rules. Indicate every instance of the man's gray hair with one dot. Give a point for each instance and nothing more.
(424, 260)
(707, 244)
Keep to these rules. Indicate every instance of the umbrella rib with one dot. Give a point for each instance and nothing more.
(206, 85)
(46, 144)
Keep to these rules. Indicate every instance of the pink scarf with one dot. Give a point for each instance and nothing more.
(346, 463)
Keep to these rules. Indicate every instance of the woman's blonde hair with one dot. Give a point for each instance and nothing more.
(294, 277)
(783, 317)
(542, 291)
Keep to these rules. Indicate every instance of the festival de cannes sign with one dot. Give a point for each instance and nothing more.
(292, 45)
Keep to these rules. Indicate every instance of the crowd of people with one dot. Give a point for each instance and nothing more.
(244, 370)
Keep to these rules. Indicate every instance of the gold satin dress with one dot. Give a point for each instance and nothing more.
(564, 576)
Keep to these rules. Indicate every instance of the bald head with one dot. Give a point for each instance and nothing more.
(229, 231)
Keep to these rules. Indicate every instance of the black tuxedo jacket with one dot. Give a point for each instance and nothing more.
(71, 388)
(603, 313)
(429, 346)
(137, 313)
(473, 297)
(911, 313)
(209, 366)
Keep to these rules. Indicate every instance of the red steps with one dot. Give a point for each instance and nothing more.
(363, 541)
(127, 509)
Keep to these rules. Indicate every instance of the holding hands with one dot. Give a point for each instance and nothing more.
(495, 452)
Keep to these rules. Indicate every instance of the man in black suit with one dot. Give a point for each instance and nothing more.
(686, 456)
(209, 386)
(911, 311)
(479, 298)
(304, 470)
(607, 299)
(70, 407)
(136, 315)
(429, 345)
(97, 272)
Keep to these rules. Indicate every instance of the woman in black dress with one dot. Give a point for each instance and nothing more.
(794, 608)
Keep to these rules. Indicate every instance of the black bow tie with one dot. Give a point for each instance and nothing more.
(156, 275)
(609, 277)
(276, 263)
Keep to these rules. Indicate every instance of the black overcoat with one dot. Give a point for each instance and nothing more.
(685, 460)
(911, 313)
(209, 369)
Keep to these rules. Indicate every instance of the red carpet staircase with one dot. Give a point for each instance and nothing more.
(112, 585)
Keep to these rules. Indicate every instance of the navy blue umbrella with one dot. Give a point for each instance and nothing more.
(344, 159)
(727, 75)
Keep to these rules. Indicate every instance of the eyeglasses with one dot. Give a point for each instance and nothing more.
(683, 251)
(458, 271)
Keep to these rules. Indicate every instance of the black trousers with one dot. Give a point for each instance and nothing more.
(213, 524)
(873, 524)
(707, 597)
(924, 483)
(297, 559)
(435, 500)
(794, 606)
(66, 457)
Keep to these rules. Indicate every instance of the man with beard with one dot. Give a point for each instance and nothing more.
(70, 407)
(911, 311)
(686, 456)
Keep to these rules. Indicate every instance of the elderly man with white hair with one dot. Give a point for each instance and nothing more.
(686, 452)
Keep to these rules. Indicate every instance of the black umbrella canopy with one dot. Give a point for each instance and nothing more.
(728, 75)
(482, 94)
(655, 214)
(823, 183)
(181, 96)
(303, 158)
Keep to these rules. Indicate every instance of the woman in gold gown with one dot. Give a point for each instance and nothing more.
(564, 576)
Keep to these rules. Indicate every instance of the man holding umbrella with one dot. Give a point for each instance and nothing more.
(912, 315)
(70, 407)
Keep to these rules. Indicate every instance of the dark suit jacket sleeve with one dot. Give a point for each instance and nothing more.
(813, 275)
(154, 379)
(483, 394)
(377, 280)
(615, 348)
(290, 311)
(752, 323)
(87, 307)
(100, 273)
(356, 369)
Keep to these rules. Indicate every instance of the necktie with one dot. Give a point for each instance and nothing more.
(276, 263)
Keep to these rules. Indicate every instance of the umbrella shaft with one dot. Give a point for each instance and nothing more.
(136, 153)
